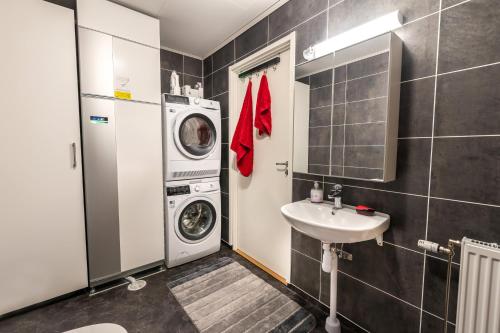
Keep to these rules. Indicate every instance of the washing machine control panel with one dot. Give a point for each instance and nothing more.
(178, 190)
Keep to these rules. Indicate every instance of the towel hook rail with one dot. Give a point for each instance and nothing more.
(273, 62)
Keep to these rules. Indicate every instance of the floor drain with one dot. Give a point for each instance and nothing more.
(135, 284)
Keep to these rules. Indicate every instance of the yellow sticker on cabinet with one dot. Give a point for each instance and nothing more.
(123, 94)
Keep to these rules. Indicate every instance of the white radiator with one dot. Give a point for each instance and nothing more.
(478, 308)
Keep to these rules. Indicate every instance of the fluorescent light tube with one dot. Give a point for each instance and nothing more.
(356, 35)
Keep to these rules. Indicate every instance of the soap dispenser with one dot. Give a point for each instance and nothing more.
(316, 193)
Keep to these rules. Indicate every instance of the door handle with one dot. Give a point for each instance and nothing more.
(285, 164)
(73, 149)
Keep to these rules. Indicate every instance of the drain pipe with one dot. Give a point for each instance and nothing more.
(135, 284)
(330, 264)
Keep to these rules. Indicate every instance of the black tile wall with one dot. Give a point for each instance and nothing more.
(171, 61)
(220, 83)
(416, 108)
(207, 67)
(431, 324)
(451, 219)
(306, 245)
(190, 70)
(320, 116)
(419, 47)
(387, 267)
(373, 310)
(193, 66)
(223, 57)
(466, 168)
(469, 35)
(434, 291)
(468, 102)
(251, 39)
(292, 14)
(191, 80)
(351, 13)
(225, 229)
(464, 163)
(305, 273)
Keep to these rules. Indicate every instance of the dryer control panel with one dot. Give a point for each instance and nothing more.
(173, 101)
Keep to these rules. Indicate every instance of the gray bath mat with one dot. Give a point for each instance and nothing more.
(226, 297)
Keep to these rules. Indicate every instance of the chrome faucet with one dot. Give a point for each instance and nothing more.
(336, 197)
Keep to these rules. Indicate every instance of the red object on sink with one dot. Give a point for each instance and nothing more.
(365, 210)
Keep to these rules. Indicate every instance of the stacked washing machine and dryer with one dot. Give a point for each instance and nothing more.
(191, 168)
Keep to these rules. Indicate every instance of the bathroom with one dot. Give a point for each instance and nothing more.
(372, 203)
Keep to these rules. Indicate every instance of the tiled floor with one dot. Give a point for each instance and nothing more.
(152, 309)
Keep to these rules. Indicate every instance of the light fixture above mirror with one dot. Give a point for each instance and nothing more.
(368, 30)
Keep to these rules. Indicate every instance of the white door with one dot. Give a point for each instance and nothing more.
(42, 228)
(261, 231)
(140, 183)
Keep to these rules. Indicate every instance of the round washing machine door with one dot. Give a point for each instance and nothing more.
(195, 135)
(195, 220)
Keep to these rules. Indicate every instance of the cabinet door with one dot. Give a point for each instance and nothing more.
(140, 183)
(42, 227)
(96, 62)
(136, 71)
(101, 193)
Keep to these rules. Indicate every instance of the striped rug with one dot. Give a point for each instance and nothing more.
(226, 297)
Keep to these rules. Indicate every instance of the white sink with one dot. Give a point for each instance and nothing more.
(345, 226)
(340, 226)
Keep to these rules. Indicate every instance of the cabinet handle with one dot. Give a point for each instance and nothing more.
(73, 149)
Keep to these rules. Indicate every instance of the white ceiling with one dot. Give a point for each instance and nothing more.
(199, 27)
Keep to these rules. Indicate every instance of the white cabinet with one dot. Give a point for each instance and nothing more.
(42, 226)
(114, 67)
(96, 62)
(139, 161)
(113, 19)
(123, 177)
(136, 71)
(121, 96)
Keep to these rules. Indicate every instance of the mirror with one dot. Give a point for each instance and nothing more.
(346, 111)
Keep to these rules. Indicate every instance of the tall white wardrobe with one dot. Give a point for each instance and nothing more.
(42, 226)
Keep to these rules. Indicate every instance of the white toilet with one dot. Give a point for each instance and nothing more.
(99, 328)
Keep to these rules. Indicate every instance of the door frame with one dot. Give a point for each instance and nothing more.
(284, 44)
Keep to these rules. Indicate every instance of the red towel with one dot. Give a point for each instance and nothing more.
(263, 119)
(242, 143)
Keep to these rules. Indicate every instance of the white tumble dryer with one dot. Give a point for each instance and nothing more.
(193, 219)
(191, 137)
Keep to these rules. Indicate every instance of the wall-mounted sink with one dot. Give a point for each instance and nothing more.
(343, 225)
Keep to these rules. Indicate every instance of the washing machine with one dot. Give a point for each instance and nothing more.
(191, 137)
(192, 219)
